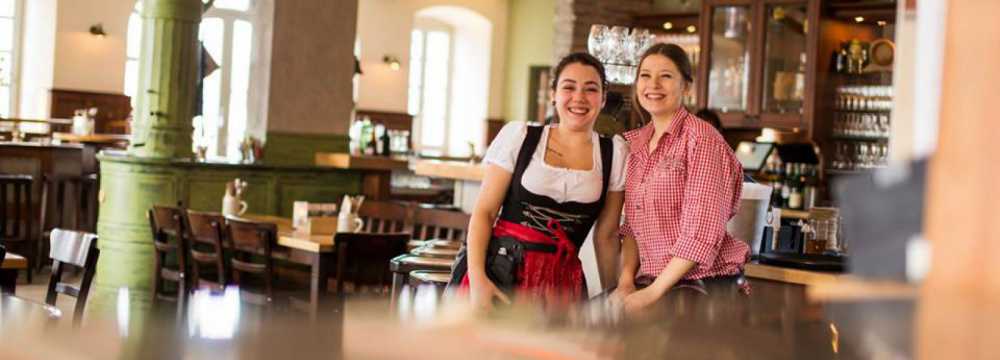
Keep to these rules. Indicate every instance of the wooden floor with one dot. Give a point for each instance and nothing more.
(36, 291)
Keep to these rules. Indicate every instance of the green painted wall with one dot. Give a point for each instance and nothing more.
(284, 148)
(529, 42)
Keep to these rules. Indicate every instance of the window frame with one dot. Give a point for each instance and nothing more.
(16, 52)
(425, 26)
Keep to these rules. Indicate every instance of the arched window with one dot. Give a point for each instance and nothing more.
(449, 79)
(10, 11)
(236, 36)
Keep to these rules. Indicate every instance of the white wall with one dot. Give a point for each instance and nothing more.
(84, 61)
(384, 29)
(37, 58)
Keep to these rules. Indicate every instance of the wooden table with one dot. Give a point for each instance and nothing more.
(8, 272)
(316, 251)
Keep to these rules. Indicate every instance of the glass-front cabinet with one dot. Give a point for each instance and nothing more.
(760, 60)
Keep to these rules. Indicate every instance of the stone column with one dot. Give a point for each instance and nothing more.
(148, 175)
(168, 69)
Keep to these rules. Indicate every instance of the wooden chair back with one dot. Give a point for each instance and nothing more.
(77, 249)
(206, 235)
(17, 217)
(430, 223)
(252, 244)
(363, 258)
(169, 240)
(382, 217)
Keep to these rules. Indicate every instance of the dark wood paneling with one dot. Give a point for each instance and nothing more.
(113, 110)
(391, 120)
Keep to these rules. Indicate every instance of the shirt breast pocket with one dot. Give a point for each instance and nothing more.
(670, 167)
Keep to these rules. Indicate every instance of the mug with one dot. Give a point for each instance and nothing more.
(233, 206)
(350, 224)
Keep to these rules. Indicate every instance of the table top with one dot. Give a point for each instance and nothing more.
(288, 237)
(14, 261)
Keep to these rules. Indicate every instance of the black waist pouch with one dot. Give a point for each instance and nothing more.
(504, 257)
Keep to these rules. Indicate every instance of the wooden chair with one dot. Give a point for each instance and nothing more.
(68, 202)
(252, 244)
(77, 249)
(206, 234)
(18, 230)
(363, 258)
(431, 223)
(385, 217)
(169, 241)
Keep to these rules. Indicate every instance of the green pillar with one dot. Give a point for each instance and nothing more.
(168, 69)
(147, 175)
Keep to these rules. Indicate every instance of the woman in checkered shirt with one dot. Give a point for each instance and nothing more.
(683, 184)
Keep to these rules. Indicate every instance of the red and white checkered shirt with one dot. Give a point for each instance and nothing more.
(679, 197)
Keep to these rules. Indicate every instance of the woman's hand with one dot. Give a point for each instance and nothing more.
(624, 289)
(639, 300)
(482, 291)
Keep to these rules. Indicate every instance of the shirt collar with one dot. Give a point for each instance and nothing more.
(646, 132)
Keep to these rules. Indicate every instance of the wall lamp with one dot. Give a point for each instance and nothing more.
(97, 30)
(392, 61)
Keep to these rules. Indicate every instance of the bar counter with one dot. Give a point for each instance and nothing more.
(775, 322)
(468, 178)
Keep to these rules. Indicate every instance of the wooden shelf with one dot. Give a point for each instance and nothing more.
(457, 170)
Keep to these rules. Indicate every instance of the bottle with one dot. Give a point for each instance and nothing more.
(811, 182)
(786, 186)
(384, 141)
(795, 194)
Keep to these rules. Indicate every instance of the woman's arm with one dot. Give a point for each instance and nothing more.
(606, 245)
(630, 261)
(704, 212)
(491, 196)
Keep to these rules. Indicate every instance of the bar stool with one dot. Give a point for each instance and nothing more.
(435, 252)
(169, 240)
(206, 231)
(402, 265)
(436, 279)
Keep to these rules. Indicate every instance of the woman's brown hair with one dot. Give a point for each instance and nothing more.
(678, 56)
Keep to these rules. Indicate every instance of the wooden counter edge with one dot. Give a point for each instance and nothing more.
(449, 170)
(788, 275)
(359, 162)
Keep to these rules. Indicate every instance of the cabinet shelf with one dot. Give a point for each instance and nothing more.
(859, 137)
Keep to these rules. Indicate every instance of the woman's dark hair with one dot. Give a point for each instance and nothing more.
(711, 117)
(678, 56)
(584, 59)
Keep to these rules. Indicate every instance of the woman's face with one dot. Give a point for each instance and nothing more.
(660, 86)
(579, 96)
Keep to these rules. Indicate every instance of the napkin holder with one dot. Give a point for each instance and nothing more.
(314, 218)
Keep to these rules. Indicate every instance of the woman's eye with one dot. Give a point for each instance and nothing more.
(644, 76)
(591, 89)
